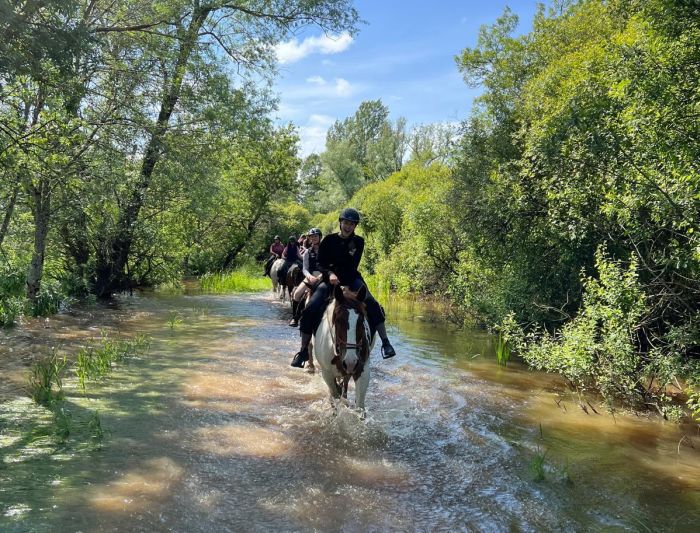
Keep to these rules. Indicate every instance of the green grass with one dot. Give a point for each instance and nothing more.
(244, 279)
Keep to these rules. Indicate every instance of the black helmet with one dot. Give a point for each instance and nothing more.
(315, 231)
(292, 238)
(350, 214)
(278, 237)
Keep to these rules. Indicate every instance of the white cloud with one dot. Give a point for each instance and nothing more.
(313, 134)
(343, 87)
(316, 80)
(293, 50)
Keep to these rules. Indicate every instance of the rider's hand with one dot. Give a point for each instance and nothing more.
(333, 279)
(313, 279)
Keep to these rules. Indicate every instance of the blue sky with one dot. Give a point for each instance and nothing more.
(403, 55)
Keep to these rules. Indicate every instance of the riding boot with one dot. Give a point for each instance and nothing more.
(302, 355)
(294, 322)
(387, 349)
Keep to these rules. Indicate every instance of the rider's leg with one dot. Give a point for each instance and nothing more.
(310, 319)
(297, 306)
(375, 318)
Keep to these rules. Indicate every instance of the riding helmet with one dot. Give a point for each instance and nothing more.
(315, 231)
(292, 238)
(278, 237)
(350, 214)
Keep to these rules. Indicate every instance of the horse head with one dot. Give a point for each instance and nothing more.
(351, 331)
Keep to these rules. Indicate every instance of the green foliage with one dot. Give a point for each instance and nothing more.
(10, 310)
(598, 349)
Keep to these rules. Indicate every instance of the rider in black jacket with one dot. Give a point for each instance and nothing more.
(338, 258)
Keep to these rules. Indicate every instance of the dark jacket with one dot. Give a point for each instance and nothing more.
(341, 256)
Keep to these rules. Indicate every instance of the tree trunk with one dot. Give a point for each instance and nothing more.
(8, 213)
(41, 211)
(233, 253)
(112, 261)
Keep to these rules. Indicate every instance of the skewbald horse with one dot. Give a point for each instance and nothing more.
(342, 345)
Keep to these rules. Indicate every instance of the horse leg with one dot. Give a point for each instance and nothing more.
(310, 368)
(329, 378)
(346, 379)
(361, 388)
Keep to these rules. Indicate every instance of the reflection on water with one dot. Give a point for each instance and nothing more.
(213, 431)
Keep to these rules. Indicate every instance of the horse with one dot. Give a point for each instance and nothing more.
(294, 277)
(342, 344)
(274, 276)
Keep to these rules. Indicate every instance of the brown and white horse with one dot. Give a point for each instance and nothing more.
(342, 345)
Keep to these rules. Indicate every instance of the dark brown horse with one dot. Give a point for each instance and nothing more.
(294, 277)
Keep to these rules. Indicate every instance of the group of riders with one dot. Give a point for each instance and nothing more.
(325, 264)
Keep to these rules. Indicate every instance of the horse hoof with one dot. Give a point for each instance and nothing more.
(294, 323)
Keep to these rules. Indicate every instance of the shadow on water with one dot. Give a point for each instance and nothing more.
(212, 430)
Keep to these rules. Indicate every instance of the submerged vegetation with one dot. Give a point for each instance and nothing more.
(56, 422)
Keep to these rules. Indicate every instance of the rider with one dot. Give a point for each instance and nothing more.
(338, 257)
(312, 275)
(291, 255)
(276, 249)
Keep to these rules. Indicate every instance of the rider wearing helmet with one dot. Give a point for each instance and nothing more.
(312, 275)
(276, 249)
(338, 257)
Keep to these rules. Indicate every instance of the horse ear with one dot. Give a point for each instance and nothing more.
(338, 293)
(362, 293)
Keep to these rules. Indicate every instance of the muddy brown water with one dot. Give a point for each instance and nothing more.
(212, 430)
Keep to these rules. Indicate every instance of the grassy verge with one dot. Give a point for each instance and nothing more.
(247, 278)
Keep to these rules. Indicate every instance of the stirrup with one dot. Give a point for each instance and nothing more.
(300, 358)
(387, 350)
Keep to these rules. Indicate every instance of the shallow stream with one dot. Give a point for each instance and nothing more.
(212, 430)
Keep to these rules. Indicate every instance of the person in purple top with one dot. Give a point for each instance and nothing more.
(276, 249)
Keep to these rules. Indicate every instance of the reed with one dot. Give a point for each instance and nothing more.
(174, 319)
(537, 465)
(502, 350)
(95, 428)
(62, 423)
(44, 376)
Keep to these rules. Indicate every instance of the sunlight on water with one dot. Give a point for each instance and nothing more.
(145, 486)
(242, 439)
(212, 430)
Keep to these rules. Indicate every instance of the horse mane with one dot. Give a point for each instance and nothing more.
(341, 323)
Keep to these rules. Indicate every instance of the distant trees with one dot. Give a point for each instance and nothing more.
(113, 120)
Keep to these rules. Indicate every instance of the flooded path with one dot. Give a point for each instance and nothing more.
(212, 430)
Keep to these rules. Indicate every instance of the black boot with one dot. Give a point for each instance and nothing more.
(387, 349)
(294, 322)
(302, 355)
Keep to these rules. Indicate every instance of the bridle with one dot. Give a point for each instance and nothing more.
(340, 346)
